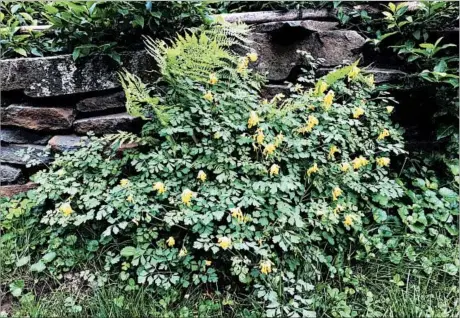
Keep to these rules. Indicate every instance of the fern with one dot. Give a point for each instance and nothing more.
(138, 96)
(200, 52)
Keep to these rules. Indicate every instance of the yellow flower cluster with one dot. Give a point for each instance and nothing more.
(124, 183)
(358, 112)
(202, 176)
(389, 109)
(253, 119)
(208, 96)
(278, 139)
(348, 220)
(264, 101)
(130, 199)
(183, 252)
(187, 197)
(339, 208)
(328, 99)
(208, 263)
(336, 192)
(332, 152)
(345, 166)
(225, 242)
(171, 241)
(320, 87)
(252, 56)
(274, 169)
(269, 149)
(213, 79)
(311, 123)
(66, 209)
(159, 187)
(359, 162)
(265, 267)
(370, 81)
(383, 134)
(260, 136)
(312, 169)
(354, 72)
(237, 214)
(382, 161)
(277, 97)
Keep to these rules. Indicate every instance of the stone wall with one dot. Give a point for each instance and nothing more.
(52, 101)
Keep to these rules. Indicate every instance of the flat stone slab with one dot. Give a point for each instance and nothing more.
(60, 75)
(100, 103)
(9, 174)
(271, 16)
(107, 124)
(22, 136)
(10, 154)
(278, 54)
(65, 143)
(11, 190)
(38, 118)
(310, 25)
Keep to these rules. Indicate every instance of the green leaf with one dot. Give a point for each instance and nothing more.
(23, 261)
(20, 51)
(16, 288)
(448, 193)
(380, 216)
(48, 257)
(38, 267)
(128, 251)
(76, 53)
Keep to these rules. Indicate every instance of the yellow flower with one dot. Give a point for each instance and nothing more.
(265, 102)
(370, 81)
(208, 96)
(212, 78)
(353, 73)
(274, 169)
(312, 169)
(265, 267)
(160, 187)
(358, 112)
(66, 209)
(332, 152)
(260, 136)
(348, 220)
(336, 193)
(278, 139)
(311, 123)
(253, 119)
(61, 172)
(320, 87)
(382, 161)
(187, 197)
(171, 241)
(252, 56)
(278, 96)
(225, 242)
(183, 252)
(359, 162)
(339, 208)
(246, 218)
(242, 65)
(208, 263)
(383, 134)
(389, 109)
(201, 175)
(327, 101)
(311, 107)
(237, 214)
(130, 199)
(124, 183)
(345, 166)
(269, 149)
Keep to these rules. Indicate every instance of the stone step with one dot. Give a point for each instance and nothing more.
(22, 136)
(38, 118)
(107, 124)
(101, 103)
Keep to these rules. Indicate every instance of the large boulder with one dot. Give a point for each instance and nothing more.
(107, 124)
(38, 118)
(61, 75)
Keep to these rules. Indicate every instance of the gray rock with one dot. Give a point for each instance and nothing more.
(9, 174)
(99, 103)
(38, 118)
(107, 124)
(60, 75)
(65, 143)
(279, 58)
(271, 16)
(270, 90)
(22, 136)
(11, 190)
(310, 25)
(30, 154)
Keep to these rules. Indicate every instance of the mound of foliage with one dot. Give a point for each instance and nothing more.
(232, 192)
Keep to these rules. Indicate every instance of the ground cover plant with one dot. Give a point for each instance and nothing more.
(235, 205)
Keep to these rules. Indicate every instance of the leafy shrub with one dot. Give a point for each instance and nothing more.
(267, 197)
